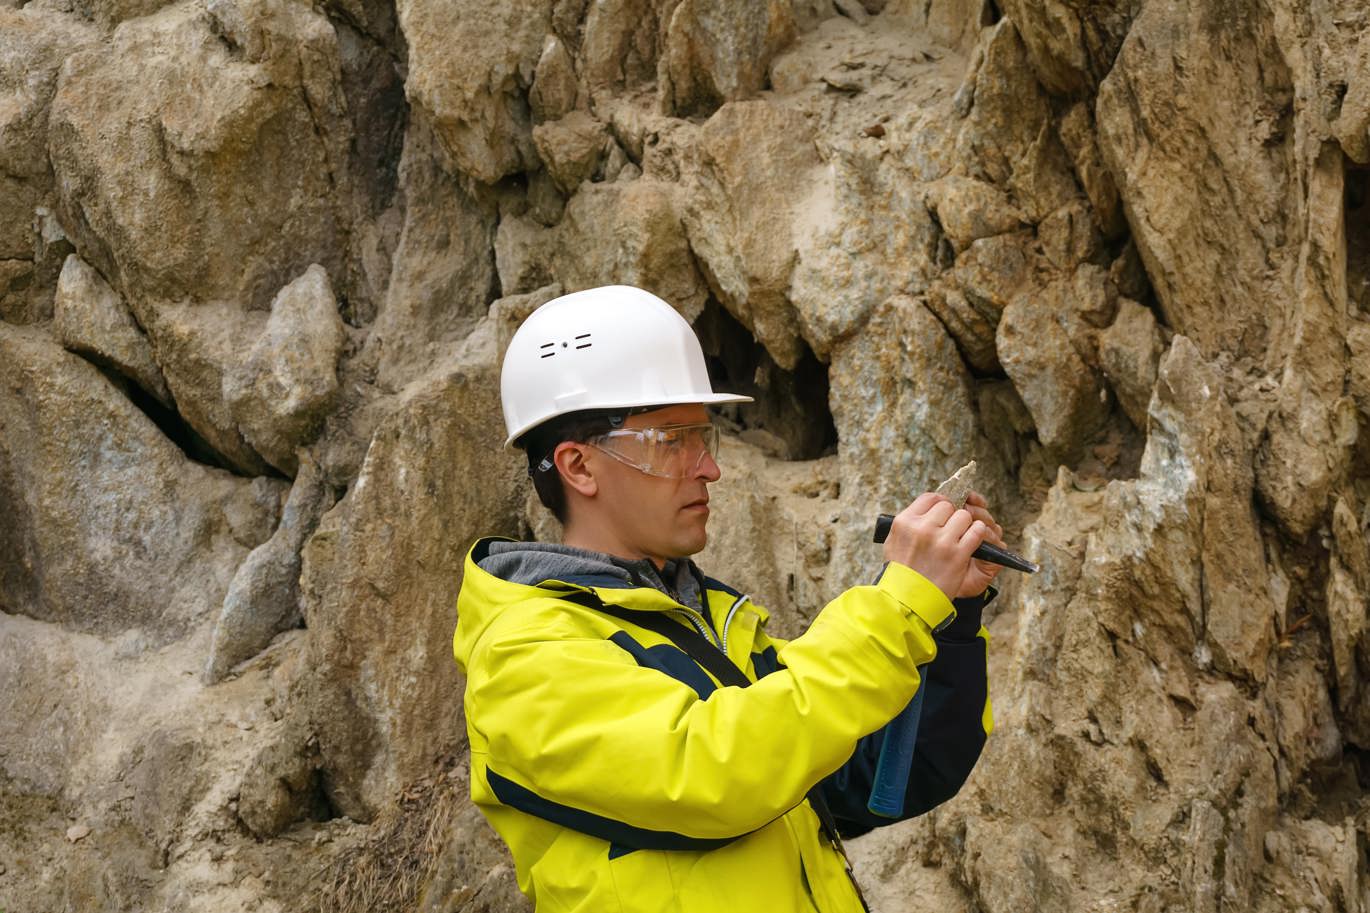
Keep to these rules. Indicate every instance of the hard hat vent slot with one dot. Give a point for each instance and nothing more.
(583, 345)
(549, 349)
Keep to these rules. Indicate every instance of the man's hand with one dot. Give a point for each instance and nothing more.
(981, 574)
(936, 540)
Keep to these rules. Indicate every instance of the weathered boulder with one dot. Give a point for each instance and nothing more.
(621, 233)
(470, 66)
(1072, 46)
(572, 148)
(864, 234)
(1207, 187)
(1009, 114)
(263, 597)
(718, 51)
(741, 213)
(622, 43)
(968, 210)
(442, 275)
(1062, 389)
(1130, 353)
(905, 416)
(1352, 123)
(90, 319)
(1078, 135)
(554, 90)
(1310, 434)
(380, 580)
(279, 393)
(111, 527)
(175, 199)
(33, 43)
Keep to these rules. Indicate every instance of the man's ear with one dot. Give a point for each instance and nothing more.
(570, 460)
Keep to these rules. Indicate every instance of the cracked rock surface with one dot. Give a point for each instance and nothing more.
(258, 263)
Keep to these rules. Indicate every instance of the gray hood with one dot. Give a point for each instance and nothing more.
(530, 563)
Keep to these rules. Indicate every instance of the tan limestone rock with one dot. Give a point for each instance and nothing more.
(968, 210)
(572, 148)
(287, 381)
(263, 597)
(470, 65)
(1206, 190)
(111, 527)
(741, 213)
(1130, 352)
(1062, 389)
(553, 93)
(90, 318)
(380, 580)
(718, 51)
(234, 197)
(441, 276)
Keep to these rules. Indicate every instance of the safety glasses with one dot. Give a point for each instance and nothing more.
(670, 452)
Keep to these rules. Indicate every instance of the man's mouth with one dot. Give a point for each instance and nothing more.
(699, 504)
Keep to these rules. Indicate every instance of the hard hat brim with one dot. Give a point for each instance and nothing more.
(708, 399)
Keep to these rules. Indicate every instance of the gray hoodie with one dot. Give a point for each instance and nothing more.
(530, 563)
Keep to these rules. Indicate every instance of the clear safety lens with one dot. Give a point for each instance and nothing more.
(671, 451)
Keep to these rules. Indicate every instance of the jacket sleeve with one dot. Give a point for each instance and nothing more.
(573, 720)
(955, 723)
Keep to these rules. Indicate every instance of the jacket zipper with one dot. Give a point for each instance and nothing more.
(737, 604)
(703, 627)
(699, 624)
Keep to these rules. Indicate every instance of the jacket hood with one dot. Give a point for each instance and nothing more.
(499, 572)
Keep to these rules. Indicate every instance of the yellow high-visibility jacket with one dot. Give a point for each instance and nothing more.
(624, 778)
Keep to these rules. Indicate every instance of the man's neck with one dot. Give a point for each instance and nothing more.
(597, 540)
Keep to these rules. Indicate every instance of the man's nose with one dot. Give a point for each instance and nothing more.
(708, 469)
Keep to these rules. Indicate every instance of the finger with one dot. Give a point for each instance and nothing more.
(996, 532)
(925, 502)
(959, 522)
(972, 537)
(976, 499)
(940, 512)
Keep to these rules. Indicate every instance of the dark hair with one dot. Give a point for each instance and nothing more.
(541, 442)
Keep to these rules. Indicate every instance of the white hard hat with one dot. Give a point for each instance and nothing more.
(615, 347)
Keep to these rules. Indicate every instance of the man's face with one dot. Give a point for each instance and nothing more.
(657, 517)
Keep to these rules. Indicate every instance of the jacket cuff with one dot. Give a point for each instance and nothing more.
(918, 595)
(968, 611)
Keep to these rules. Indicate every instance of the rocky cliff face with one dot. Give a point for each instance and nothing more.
(258, 261)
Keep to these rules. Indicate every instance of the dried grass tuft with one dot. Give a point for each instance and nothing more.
(386, 871)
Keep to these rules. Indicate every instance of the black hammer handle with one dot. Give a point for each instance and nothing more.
(986, 552)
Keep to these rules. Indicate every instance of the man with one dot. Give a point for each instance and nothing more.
(637, 738)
